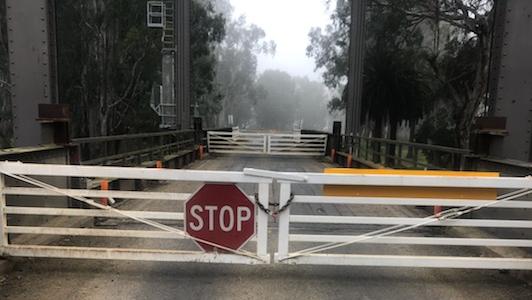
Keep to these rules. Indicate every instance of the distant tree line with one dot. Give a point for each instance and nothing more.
(426, 64)
(289, 103)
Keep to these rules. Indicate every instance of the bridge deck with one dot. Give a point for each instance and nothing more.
(70, 279)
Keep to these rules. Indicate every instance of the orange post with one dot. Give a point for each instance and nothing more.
(201, 152)
(104, 186)
(333, 154)
(437, 210)
(349, 160)
(159, 164)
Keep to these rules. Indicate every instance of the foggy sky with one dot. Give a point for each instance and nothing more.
(288, 23)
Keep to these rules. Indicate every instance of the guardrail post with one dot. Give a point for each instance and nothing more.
(4, 242)
(415, 156)
(399, 157)
(262, 220)
(462, 162)
(284, 222)
(337, 135)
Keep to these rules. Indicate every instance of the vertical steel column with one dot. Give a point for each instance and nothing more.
(31, 25)
(356, 66)
(511, 78)
(183, 63)
(3, 217)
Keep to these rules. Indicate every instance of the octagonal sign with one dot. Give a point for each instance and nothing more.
(220, 214)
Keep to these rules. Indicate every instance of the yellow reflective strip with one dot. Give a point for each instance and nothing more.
(410, 192)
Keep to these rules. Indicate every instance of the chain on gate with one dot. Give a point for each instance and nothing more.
(277, 209)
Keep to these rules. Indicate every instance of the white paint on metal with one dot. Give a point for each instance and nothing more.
(275, 175)
(146, 234)
(410, 221)
(267, 143)
(406, 240)
(128, 173)
(130, 195)
(155, 14)
(284, 221)
(407, 201)
(129, 254)
(449, 217)
(263, 179)
(413, 261)
(262, 220)
(73, 212)
(19, 171)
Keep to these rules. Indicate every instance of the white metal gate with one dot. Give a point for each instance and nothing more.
(238, 142)
(323, 246)
(329, 247)
(18, 173)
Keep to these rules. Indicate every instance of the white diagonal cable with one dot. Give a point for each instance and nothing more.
(448, 214)
(151, 223)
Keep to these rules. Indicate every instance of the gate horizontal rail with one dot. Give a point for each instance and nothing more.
(300, 247)
(14, 207)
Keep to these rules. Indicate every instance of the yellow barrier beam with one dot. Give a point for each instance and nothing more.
(409, 192)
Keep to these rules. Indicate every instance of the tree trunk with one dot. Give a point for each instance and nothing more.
(377, 133)
(390, 159)
(412, 138)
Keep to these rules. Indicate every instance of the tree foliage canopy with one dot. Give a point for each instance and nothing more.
(420, 56)
(237, 69)
(118, 60)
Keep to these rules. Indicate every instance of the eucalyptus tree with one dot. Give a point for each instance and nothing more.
(237, 69)
(108, 60)
(461, 67)
(394, 87)
(450, 73)
(208, 31)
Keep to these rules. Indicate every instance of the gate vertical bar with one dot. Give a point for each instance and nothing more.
(284, 222)
(208, 141)
(262, 230)
(325, 146)
(3, 216)
(265, 146)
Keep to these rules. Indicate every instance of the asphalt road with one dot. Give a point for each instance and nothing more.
(79, 279)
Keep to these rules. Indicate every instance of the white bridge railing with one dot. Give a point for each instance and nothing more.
(331, 247)
(153, 229)
(238, 142)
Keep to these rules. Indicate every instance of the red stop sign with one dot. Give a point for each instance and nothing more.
(220, 214)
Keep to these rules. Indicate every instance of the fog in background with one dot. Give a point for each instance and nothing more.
(290, 91)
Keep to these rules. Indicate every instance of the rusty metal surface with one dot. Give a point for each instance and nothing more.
(54, 112)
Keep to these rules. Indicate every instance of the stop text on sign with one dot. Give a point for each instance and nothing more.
(216, 218)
